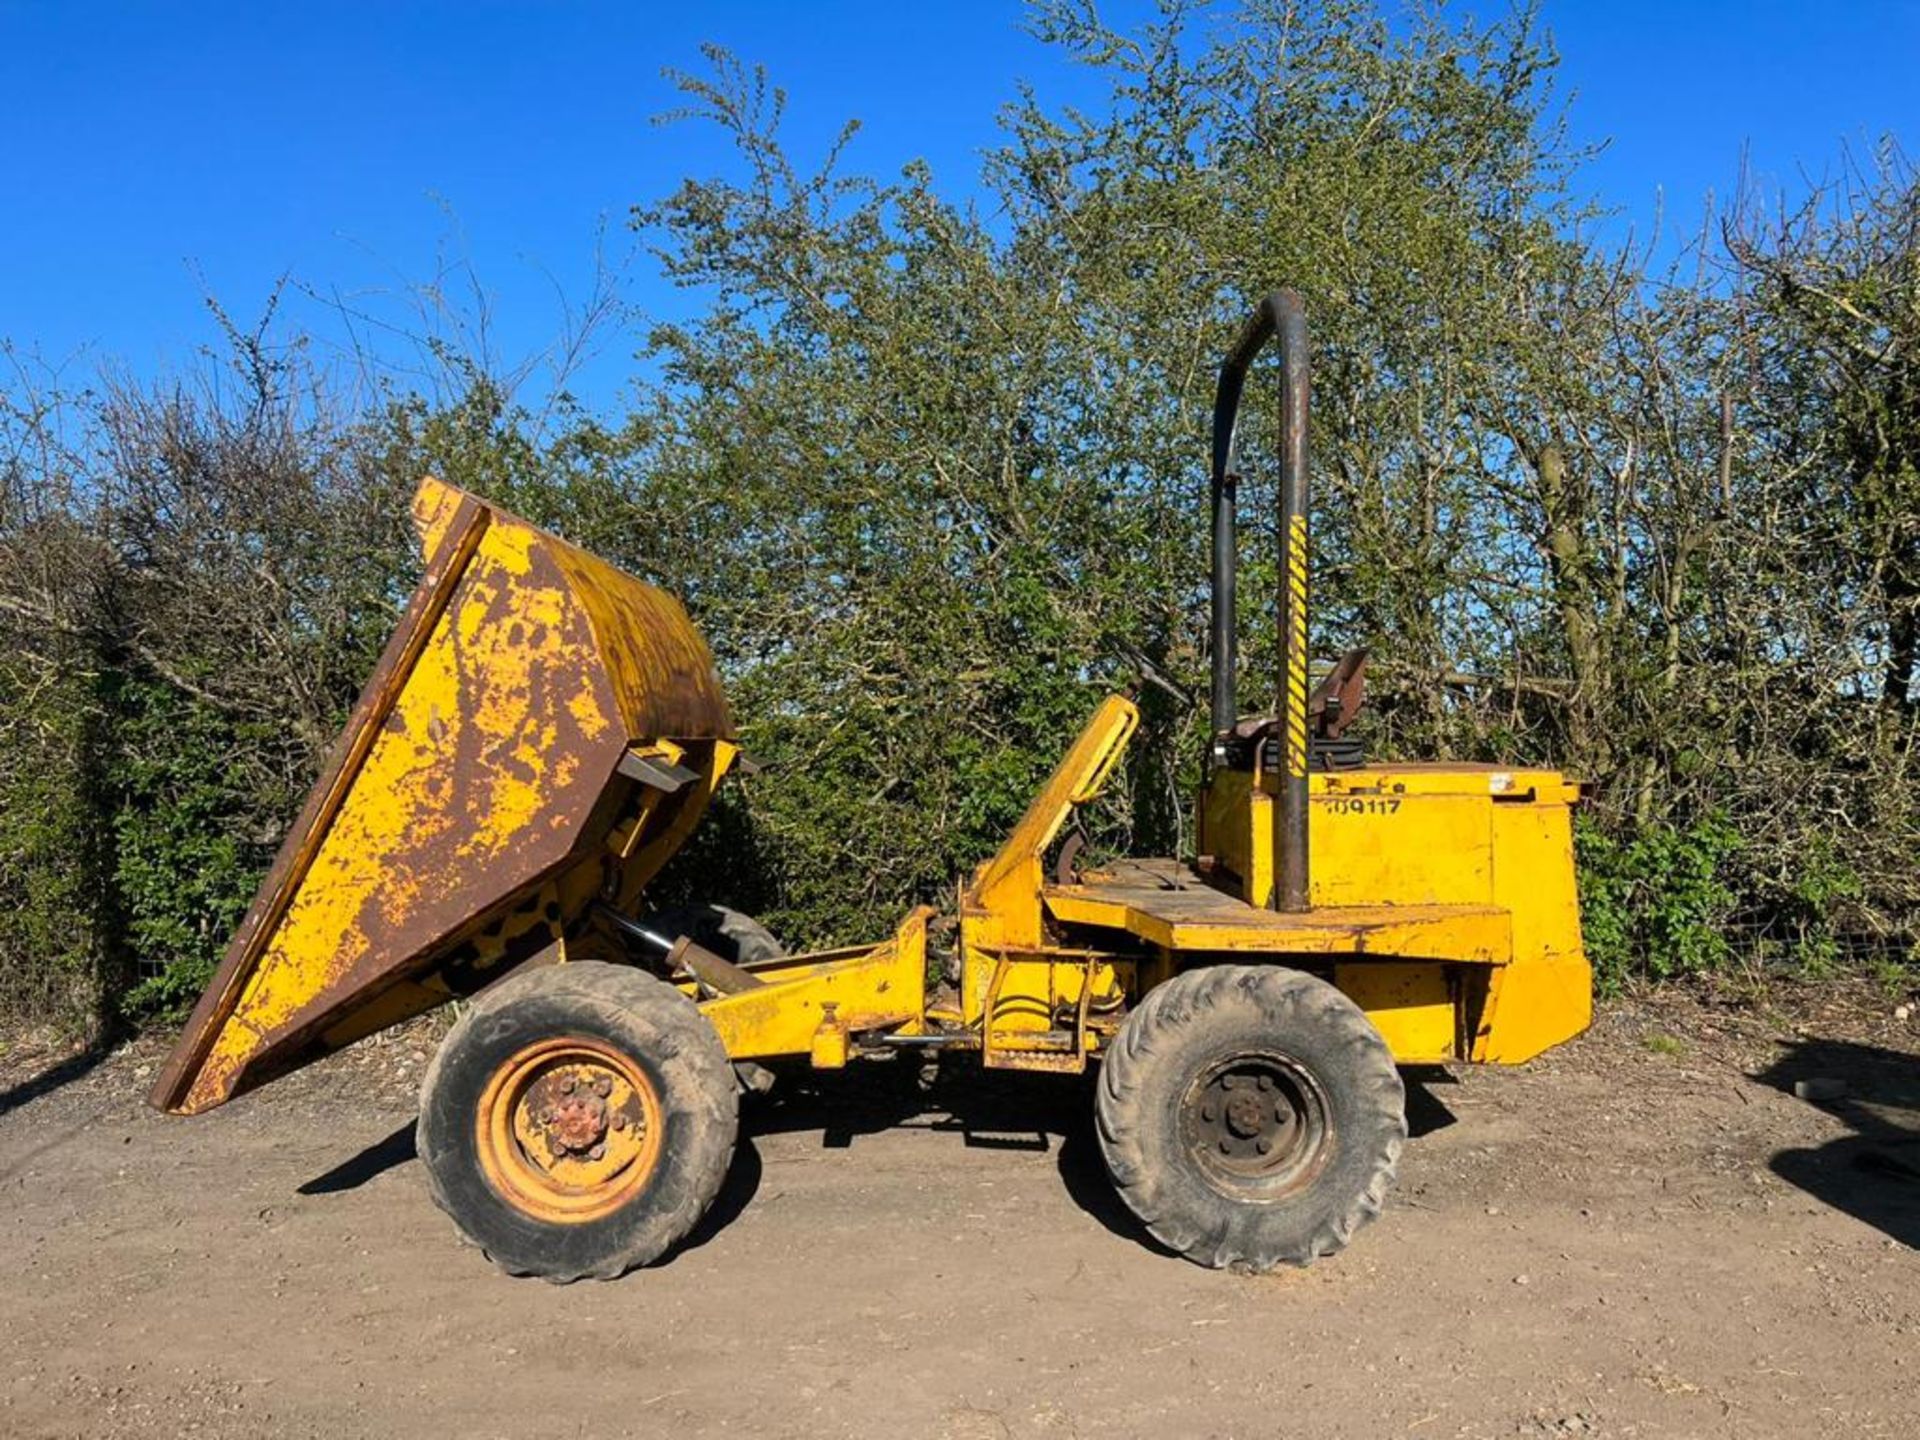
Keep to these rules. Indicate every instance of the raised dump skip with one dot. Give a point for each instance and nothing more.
(542, 731)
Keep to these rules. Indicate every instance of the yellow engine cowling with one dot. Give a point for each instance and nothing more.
(1422, 835)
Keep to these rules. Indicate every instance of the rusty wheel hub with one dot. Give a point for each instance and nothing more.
(574, 1114)
(1247, 1117)
(569, 1129)
(1258, 1125)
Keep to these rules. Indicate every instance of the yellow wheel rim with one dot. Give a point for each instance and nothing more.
(569, 1130)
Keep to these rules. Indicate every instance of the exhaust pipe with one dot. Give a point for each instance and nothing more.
(1283, 315)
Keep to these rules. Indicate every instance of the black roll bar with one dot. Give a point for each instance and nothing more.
(1280, 314)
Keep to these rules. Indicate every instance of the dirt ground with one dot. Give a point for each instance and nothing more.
(1644, 1234)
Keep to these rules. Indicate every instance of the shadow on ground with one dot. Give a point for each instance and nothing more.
(1873, 1173)
(996, 1110)
(357, 1170)
(61, 1072)
(986, 1109)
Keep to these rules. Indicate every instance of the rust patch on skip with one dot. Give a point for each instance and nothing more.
(470, 773)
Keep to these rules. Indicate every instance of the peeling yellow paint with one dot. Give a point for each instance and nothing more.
(487, 762)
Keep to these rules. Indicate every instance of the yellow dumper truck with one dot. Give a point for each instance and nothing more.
(543, 733)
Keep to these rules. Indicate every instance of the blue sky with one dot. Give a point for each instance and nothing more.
(153, 152)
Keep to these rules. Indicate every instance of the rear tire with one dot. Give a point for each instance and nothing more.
(578, 1120)
(736, 937)
(1251, 1116)
(733, 935)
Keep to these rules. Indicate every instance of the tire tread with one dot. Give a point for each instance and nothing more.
(684, 1042)
(1169, 1019)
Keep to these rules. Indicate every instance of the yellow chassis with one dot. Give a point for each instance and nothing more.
(1443, 905)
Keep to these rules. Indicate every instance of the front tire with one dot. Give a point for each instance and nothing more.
(1251, 1116)
(578, 1120)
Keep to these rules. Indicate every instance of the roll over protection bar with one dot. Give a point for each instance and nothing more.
(1280, 314)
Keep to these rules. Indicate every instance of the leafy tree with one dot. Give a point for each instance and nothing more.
(932, 474)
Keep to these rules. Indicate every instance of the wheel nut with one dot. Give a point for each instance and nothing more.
(1226, 1147)
(603, 1086)
(1263, 1144)
(1209, 1111)
(1266, 1082)
(566, 1086)
(598, 1152)
(619, 1122)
